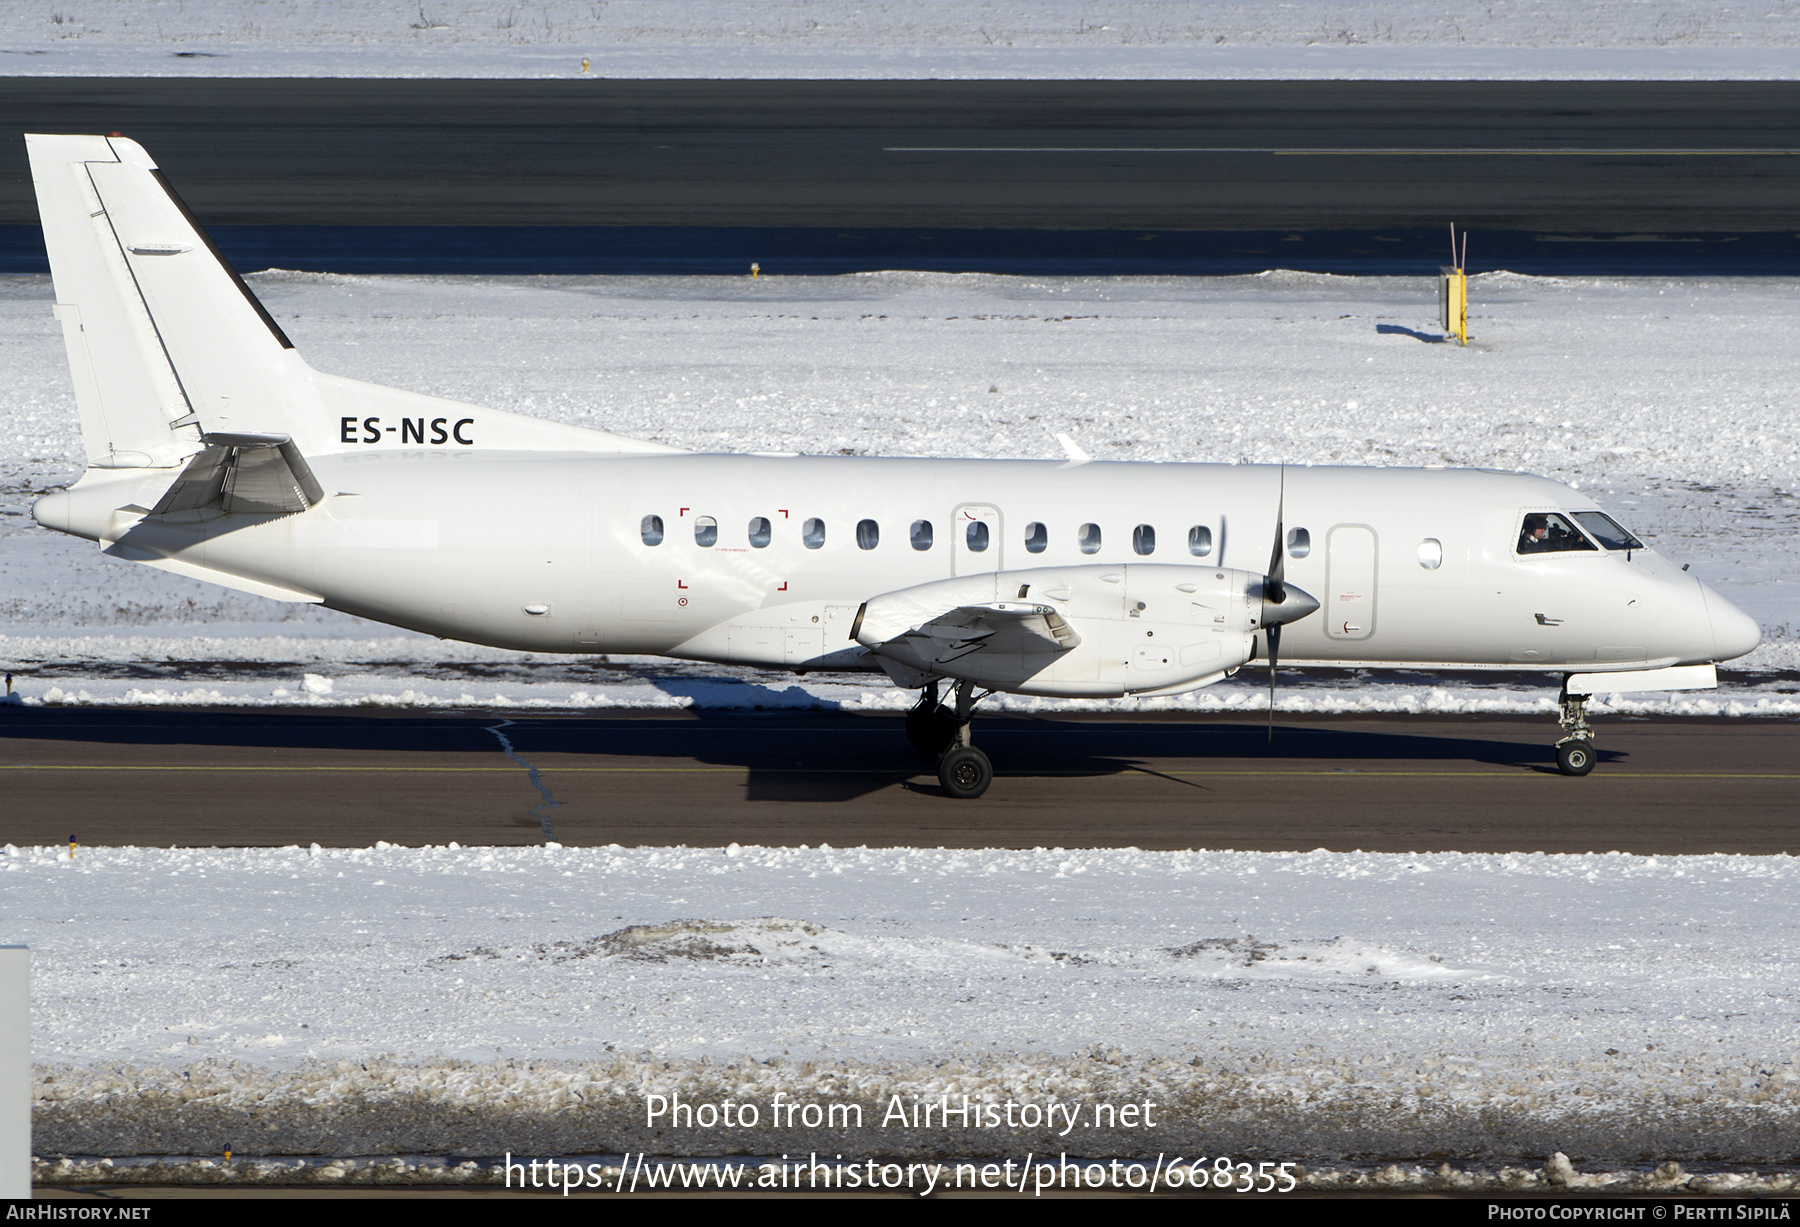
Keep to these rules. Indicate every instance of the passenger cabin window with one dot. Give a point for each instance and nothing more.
(1606, 531)
(868, 534)
(651, 530)
(1431, 553)
(1546, 532)
(760, 533)
(706, 532)
(1299, 543)
(1088, 538)
(1037, 538)
(812, 533)
(921, 534)
(1200, 541)
(1143, 539)
(977, 536)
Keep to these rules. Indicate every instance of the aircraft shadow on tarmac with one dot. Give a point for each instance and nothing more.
(789, 757)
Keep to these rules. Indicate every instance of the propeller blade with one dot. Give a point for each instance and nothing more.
(1275, 585)
(1273, 630)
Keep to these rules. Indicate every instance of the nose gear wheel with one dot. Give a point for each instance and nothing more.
(1575, 752)
(1575, 757)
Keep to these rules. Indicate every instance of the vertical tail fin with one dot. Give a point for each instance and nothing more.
(166, 342)
(169, 347)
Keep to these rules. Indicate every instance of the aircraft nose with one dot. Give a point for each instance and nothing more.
(1734, 631)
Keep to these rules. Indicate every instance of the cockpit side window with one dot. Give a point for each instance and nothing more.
(1606, 531)
(1548, 532)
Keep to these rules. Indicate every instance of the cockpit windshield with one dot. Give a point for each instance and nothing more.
(1546, 532)
(1607, 532)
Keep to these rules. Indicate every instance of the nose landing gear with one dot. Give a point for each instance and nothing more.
(1575, 752)
(935, 728)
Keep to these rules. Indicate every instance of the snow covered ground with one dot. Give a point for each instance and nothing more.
(1624, 1010)
(1670, 400)
(1315, 1006)
(1046, 39)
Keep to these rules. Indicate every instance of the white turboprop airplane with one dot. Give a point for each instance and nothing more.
(215, 452)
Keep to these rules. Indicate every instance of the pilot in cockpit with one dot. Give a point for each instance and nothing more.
(1547, 533)
(1534, 538)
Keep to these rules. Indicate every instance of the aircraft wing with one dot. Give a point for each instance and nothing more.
(1002, 628)
(1073, 632)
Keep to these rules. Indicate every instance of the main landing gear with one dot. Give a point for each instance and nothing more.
(1575, 752)
(936, 728)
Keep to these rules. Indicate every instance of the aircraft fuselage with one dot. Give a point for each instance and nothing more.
(765, 560)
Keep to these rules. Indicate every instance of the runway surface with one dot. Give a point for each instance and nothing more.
(1392, 784)
(1163, 155)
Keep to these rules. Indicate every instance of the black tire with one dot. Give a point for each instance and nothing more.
(965, 772)
(1575, 757)
(930, 730)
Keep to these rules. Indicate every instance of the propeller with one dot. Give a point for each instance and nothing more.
(1282, 603)
(1275, 593)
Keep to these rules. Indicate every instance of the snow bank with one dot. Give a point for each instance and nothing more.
(1324, 1006)
(1129, 39)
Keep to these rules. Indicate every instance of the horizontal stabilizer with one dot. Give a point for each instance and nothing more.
(212, 575)
(244, 474)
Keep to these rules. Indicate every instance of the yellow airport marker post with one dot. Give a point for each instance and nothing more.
(755, 271)
(1453, 290)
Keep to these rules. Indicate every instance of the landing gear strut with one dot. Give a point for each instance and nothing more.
(1575, 752)
(937, 728)
(930, 726)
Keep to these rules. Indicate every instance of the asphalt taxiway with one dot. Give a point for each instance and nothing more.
(1564, 156)
(1376, 783)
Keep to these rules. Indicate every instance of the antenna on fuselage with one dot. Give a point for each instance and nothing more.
(1073, 450)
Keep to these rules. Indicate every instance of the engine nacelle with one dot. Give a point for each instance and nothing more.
(1095, 631)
